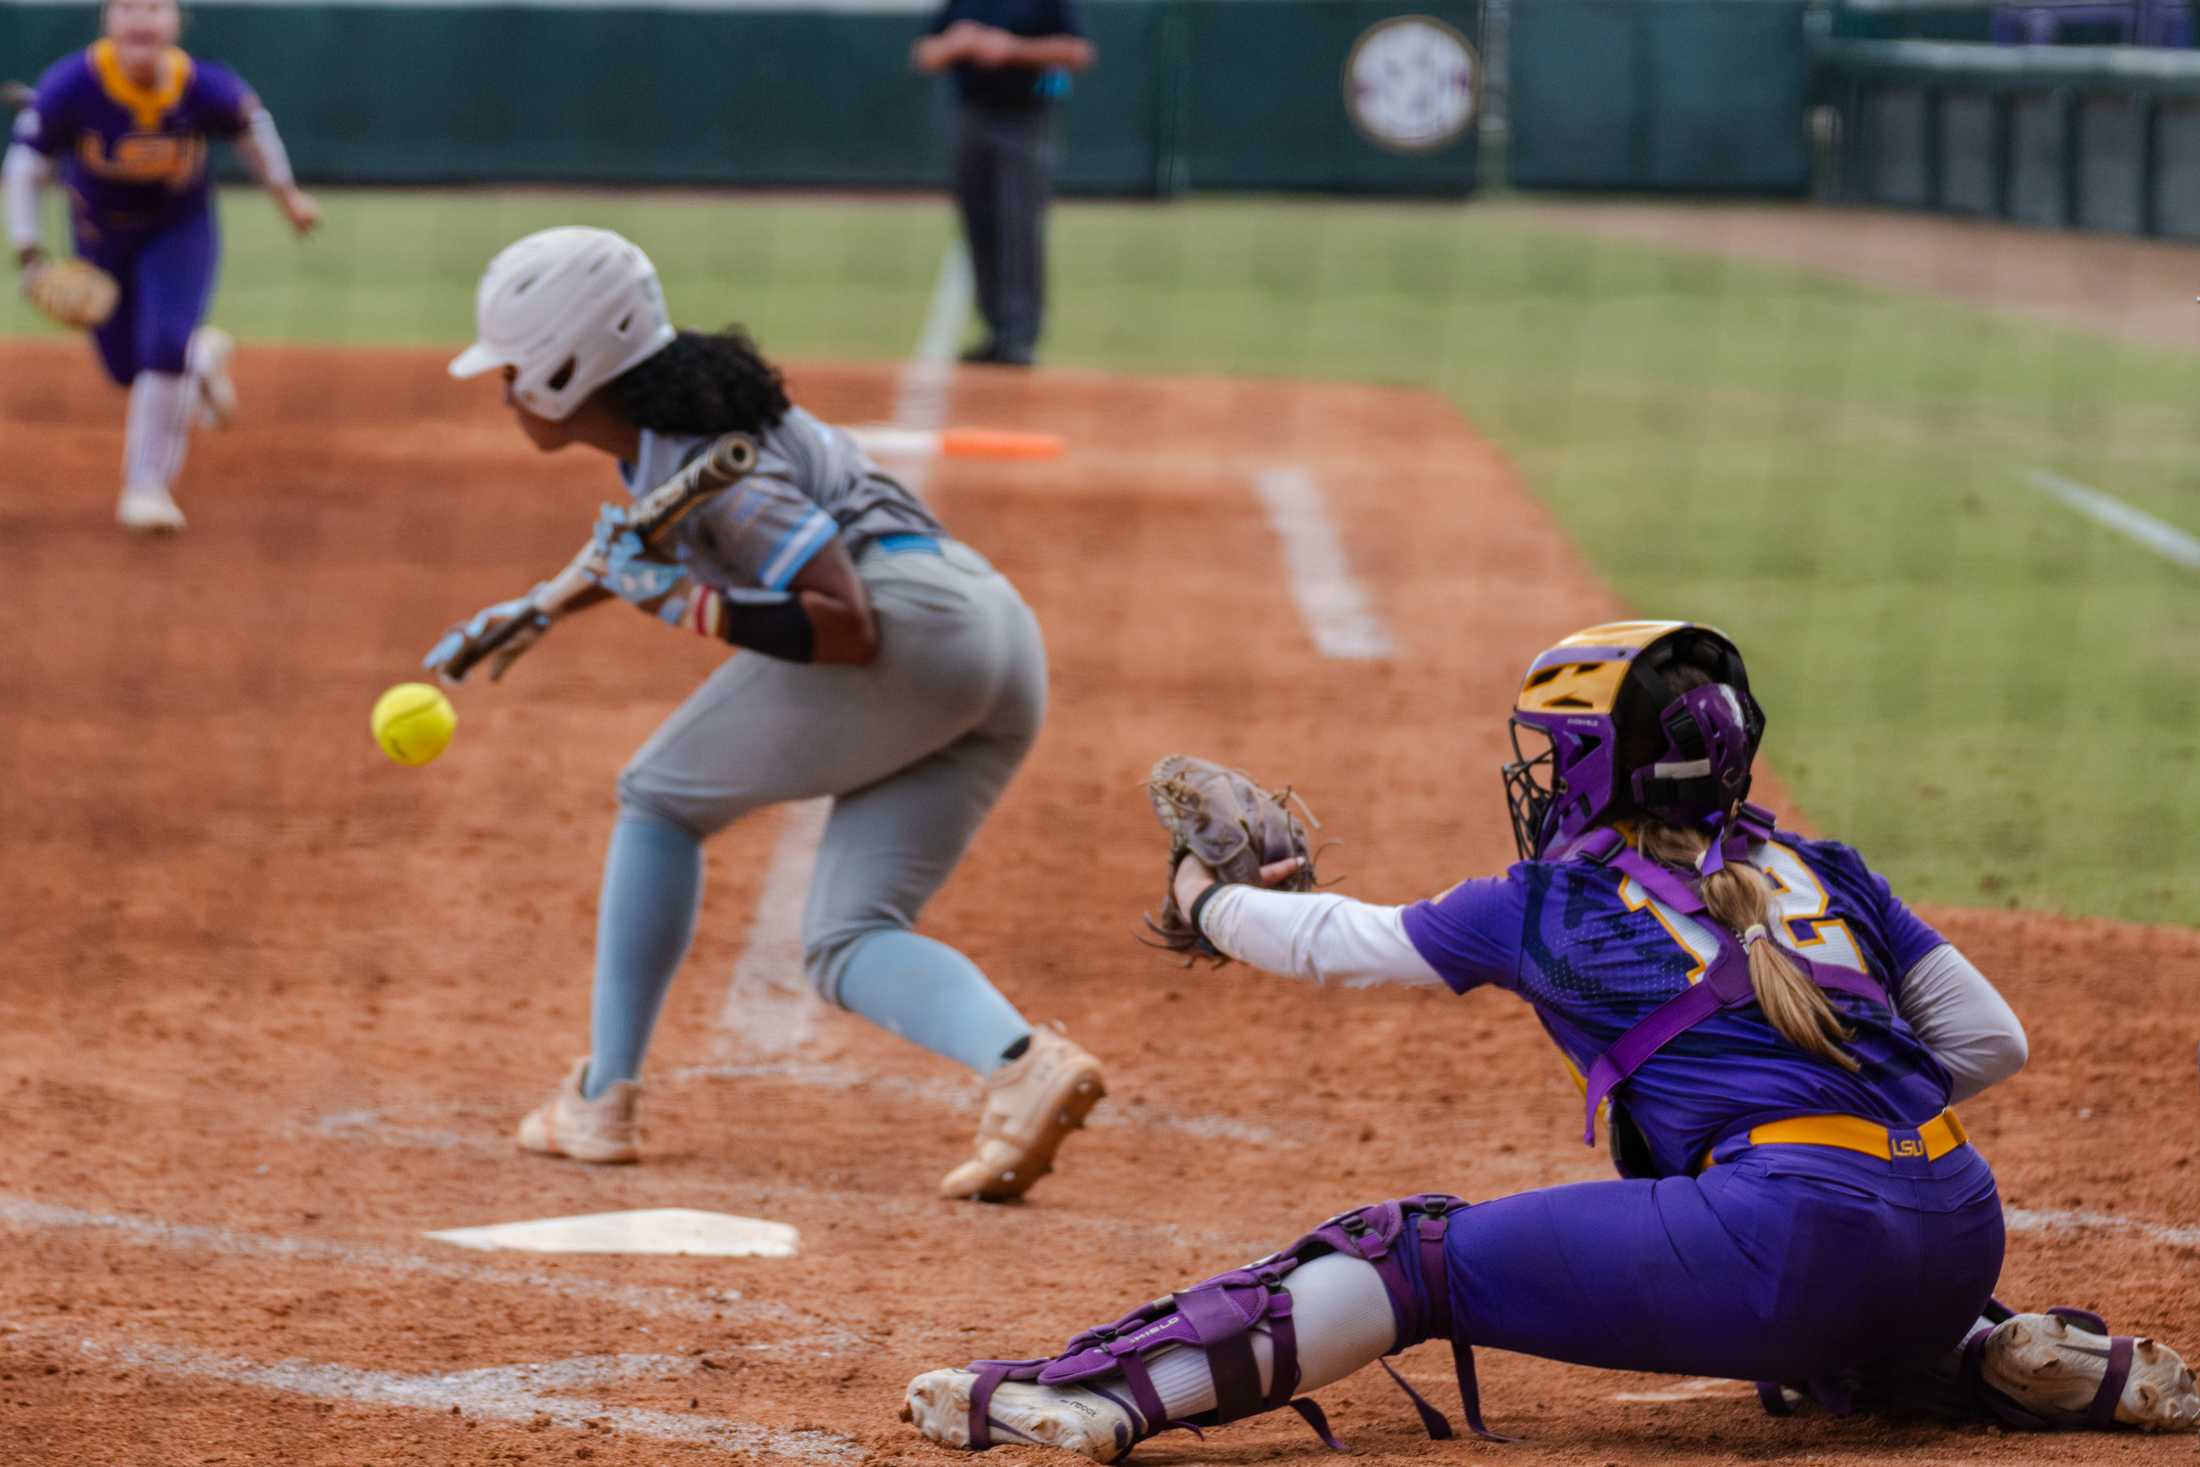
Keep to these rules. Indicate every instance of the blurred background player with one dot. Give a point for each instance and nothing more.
(1010, 58)
(128, 121)
(1779, 1039)
(887, 666)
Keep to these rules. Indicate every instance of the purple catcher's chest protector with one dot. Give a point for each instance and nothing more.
(1725, 984)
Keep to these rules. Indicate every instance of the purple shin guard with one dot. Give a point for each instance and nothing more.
(1403, 1240)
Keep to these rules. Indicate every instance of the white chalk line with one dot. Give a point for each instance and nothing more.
(921, 397)
(769, 1008)
(720, 1306)
(1689, 1390)
(2060, 1220)
(2160, 536)
(527, 1393)
(1336, 608)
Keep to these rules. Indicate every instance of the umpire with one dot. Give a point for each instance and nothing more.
(1010, 59)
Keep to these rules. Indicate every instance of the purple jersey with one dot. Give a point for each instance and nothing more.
(132, 157)
(1595, 954)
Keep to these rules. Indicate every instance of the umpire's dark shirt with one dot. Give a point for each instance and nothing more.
(1009, 88)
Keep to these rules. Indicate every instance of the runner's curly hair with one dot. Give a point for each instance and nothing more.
(704, 382)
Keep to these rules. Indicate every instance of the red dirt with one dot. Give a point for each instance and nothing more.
(288, 999)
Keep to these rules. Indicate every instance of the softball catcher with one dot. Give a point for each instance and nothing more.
(1774, 1041)
(127, 123)
(883, 663)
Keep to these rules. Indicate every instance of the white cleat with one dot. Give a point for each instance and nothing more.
(1020, 1413)
(214, 394)
(2053, 1367)
(606, 1130)
(1032, 1103)
(148, 509)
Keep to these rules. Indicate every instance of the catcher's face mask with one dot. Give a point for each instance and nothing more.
(1565, 777)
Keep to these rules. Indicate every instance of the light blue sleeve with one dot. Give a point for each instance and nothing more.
(758, 534)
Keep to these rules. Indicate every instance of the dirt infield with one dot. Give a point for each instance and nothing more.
(272, 1005)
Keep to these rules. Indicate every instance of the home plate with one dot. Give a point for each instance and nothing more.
(651, 1230)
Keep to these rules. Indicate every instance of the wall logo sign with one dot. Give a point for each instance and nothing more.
(1410, 84)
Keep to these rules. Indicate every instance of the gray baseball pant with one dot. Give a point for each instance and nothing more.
(914, 749)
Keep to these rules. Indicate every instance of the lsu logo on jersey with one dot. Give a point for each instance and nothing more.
(1906, 1146)
(143, 157)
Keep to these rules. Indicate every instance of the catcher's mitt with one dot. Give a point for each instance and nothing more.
(1231, 824)
(74, 292)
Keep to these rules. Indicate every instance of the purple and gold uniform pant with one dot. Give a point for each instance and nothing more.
(1783, 1263)
(167, 277)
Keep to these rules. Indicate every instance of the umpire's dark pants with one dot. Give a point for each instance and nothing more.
(1002, 159)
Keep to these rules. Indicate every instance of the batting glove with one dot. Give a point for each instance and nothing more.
(483, 623)
(623, 565)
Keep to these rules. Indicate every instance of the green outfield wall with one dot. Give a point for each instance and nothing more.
(2099, 137)
(1695, 96)
(1359, 95)
(1911, 20)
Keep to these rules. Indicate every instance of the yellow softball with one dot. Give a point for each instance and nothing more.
(413, 722)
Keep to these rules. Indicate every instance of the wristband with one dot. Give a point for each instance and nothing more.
(772, 622)
(1199, 907)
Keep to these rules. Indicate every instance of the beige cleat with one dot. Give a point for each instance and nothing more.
(148, 508)
(214, 394)
(2053, 1367)
(1031, 1104)
(604, 1130)
(1021, 1412)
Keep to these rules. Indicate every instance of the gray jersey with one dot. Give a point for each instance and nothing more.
(811, 484)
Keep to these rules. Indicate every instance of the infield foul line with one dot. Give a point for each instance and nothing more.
(515, 1393)
(769, 1009)
(1335, 607)
(2160, 536)
(2057, 1220)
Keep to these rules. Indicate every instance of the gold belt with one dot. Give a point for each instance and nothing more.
(1935, 1139)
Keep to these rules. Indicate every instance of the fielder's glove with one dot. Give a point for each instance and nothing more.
(74, 292)
(623, 566)
(1224, 820)
(484, 622)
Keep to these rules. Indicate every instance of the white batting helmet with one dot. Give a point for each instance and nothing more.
(568, 309)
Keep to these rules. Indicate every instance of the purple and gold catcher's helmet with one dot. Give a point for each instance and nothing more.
(1619, 741)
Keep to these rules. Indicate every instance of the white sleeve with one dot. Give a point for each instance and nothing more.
(1328, 938)
(274, 160)
(20, 177)
(1963, 1020)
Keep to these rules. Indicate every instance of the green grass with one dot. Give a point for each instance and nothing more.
(811, 278)
(1991, 696)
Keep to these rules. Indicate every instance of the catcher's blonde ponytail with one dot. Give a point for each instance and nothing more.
(1738, 899)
